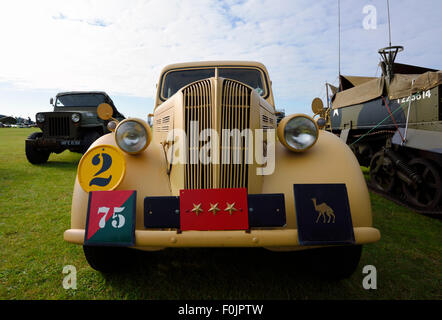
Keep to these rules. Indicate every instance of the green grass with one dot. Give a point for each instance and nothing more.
(35, 210)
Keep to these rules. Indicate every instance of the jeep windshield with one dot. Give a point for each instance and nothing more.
(175, 80)
(80, 100)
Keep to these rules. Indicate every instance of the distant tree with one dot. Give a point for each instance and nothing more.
(8, 120)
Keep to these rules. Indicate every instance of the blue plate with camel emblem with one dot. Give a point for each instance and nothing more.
(323, 214)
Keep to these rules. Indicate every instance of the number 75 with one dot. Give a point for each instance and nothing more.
(118, 220)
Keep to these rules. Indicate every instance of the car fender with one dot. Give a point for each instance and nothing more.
(145, 172)
(328, 161)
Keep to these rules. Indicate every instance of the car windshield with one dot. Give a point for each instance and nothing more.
(175, 80)
(80, 100)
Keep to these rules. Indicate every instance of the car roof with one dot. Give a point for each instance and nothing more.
(221, 63)
(82, 92)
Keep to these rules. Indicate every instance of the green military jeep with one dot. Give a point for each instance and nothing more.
(73, 125)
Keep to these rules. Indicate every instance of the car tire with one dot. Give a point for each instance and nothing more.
(336, 263)
(108, 259)
(89, 138)
(33, 155)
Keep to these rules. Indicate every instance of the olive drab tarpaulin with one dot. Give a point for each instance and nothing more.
(365, 88)
(366, 91)
(355, 80)
(333, 89)
(402, 84)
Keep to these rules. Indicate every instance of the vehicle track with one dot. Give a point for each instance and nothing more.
(436, 213)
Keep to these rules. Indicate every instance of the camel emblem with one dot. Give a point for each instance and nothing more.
(323, 209)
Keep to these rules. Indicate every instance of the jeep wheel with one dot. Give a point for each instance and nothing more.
(335, 263)
(108, 259)
(89, 138)
(33, 155)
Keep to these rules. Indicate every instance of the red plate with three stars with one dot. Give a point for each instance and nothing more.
(214, 209)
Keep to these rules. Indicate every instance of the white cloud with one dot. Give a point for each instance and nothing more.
(121, 46)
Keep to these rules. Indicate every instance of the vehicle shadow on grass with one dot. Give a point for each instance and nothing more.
(216, 273)
(62, 165)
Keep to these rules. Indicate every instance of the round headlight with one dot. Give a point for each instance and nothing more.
(298, 132)
(132, 135)
(75, 117)
(40, 117)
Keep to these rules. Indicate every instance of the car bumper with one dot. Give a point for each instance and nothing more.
(252, 238)
(53, 143)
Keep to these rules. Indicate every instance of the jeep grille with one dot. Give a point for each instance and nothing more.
(59, 126)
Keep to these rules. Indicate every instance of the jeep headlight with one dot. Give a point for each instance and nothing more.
(298, 132)
(133, 135)
(40, 117)
(75, 117)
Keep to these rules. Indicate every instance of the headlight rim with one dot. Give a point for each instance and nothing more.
(76, 114)
(40, 114)
(281, 131)
(146, 128)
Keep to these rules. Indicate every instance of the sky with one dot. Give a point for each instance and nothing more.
(120, 47)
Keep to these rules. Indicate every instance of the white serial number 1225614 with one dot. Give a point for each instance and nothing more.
(417, 96)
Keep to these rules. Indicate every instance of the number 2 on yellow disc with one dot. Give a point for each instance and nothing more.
(101, 168)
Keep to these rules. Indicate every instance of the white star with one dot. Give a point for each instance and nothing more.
(214, 208)
(230, 207)
(335, 112)
(197, 209)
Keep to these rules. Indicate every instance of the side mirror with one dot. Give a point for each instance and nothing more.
(317, 106)
(51, 101)
(105, 111)
(150, 119)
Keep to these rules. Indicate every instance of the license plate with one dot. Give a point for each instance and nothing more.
(70, 143)
(214, 209)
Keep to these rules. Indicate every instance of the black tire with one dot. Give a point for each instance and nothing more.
(88, 139)
(334, 263)
(33, 155)
(108, 259)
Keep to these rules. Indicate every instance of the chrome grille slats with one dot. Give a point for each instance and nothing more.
(234, 113)
(198, 108)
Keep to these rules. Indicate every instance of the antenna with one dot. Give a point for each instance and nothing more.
(339, 36)
(389, 24)
(389, 53)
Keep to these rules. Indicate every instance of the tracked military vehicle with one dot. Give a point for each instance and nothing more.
(393, 124)
(72, 125)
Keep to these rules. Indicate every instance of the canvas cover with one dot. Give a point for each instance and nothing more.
(368, 90)
(353, 81)
(402, 84)
(332, 88)
(410, 69)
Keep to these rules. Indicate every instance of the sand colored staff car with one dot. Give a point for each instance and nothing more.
(216, 170)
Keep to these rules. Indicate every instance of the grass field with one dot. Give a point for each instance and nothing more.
(35, 206)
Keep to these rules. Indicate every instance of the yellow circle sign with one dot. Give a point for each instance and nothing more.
(101, 168)
(104, 111)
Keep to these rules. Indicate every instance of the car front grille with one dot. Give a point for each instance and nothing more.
(235, 114)
(59, 126)
(199, 107)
